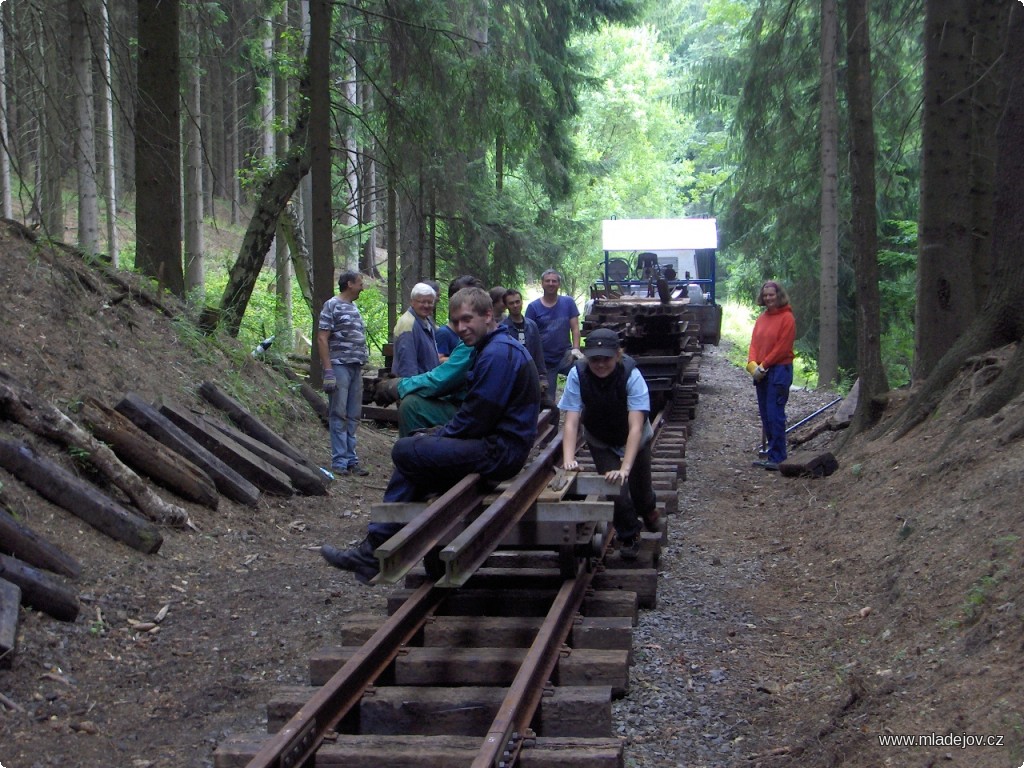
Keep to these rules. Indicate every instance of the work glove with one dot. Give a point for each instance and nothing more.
(576, 354)
(386, 392)
(330, 382)
(759, 372)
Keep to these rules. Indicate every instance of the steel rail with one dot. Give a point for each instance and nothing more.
(506, 733)
(301, 736)
(468, 551)
(400, 554)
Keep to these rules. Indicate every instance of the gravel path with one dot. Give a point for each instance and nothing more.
(697, 697)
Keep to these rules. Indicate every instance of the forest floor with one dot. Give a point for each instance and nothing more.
(883, 600)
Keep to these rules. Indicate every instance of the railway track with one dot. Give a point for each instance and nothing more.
(509, 636)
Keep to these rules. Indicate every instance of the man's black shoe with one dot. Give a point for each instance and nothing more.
(629, 549)
(771, 466)
(359, 560)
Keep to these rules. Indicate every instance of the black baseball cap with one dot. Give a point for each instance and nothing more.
(602, 342)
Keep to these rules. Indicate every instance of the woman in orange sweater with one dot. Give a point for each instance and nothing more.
(770, 362)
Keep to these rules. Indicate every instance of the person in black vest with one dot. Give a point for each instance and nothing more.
(607, 393)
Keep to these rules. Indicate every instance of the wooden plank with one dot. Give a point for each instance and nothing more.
(39, 590)
(512, 602)
(642, 581)
(83, 500)
(303, 479)
(515, 631)
(484, 666)
(496, 578)
(251, 467)
(227, 480)
(251, 425)
(388, 414)
(10, 602)
(566, 511)
(462, 711)
(433, 751)
(25, 544)
(149, 456)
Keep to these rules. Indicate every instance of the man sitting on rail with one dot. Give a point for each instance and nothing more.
(608, 394)
(491, 433)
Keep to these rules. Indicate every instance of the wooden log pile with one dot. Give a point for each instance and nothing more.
(193, 455)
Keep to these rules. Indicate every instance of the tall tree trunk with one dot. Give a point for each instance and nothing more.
(6, 202)
(988, 23)
(871, 372)
(234, 157)
(51, 202)
(320, 151)
(1001, 320)
(283, 282)
(305, 213)
(945, 301)
(350, 213)
(828, 311)
(195, 280)
(368, 193)
(392, 245)
(85, 127)
(158, 146)
(110, 190)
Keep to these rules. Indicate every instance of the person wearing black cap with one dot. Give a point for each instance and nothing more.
(607, 393)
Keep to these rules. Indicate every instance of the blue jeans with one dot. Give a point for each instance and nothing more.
(345, 410)
(772, 396)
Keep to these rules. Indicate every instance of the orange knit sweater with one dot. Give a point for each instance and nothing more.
(771, 343)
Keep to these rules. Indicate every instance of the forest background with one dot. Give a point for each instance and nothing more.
(435, 138)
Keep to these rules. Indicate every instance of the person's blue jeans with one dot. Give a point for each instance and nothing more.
(552, 378)
(772, 396)
(345, 410)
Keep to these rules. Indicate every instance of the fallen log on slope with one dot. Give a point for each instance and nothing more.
(304, 480)
(80, 498)
(252, 425)
(40, 591)
(228, 482)
(251, 467)
(148, 455)
(17, 403)
(25, 544)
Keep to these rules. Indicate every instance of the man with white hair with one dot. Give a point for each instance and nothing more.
(415, 348)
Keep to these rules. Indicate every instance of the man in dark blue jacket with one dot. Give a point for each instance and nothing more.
(524, 329)
(491, 433)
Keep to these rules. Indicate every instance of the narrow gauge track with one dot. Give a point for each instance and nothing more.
(489, 657)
